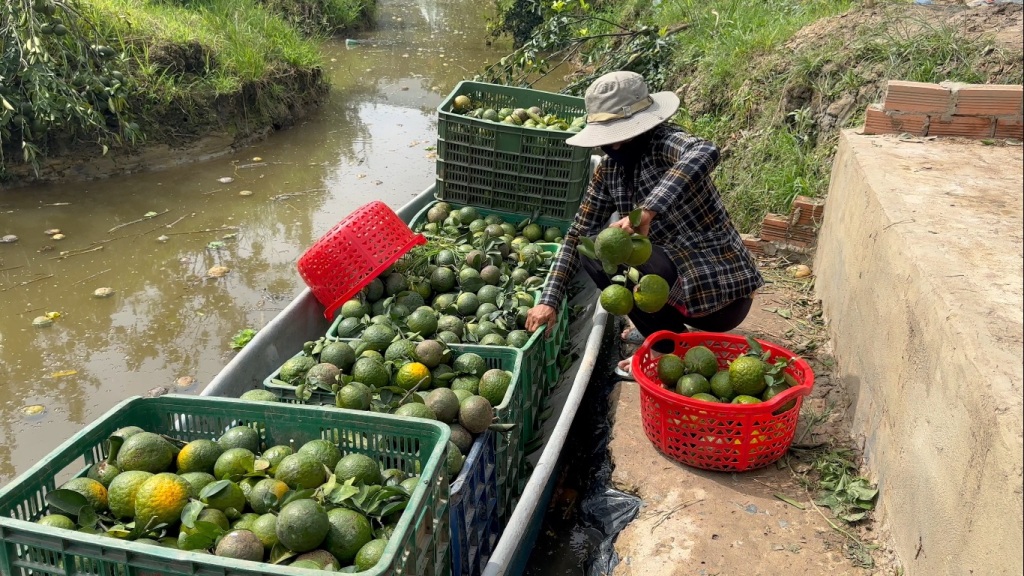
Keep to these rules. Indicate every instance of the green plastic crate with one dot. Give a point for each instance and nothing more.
(510, 168)
(419, 545)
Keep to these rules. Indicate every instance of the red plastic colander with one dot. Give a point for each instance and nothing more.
(711, 435)
(354, 252)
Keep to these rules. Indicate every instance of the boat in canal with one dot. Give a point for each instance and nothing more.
(303, 320)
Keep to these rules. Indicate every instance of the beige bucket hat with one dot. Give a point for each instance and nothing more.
(619, 107)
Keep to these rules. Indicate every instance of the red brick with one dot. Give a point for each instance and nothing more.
(988, 100)
(808, 210)
(1009, 129)
(962, 126)
(919, 97)
(879, 121)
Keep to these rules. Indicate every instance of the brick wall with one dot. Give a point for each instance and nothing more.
(795, 232)
(948, 109)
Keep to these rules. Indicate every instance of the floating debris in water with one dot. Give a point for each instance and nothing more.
(33, 409)
(51, 231)
(8, 239)
(226, 180)
(162, 238)
(257, 159)
(245, 193)
(105, 292)
(218, 271)
(42, 322)
(58, 236)
(185, 381)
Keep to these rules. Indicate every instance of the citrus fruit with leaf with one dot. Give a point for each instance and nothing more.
(413, 375)
(234, 462)
(223, 495)
(613, 246)
(651, 293)
(266, 495)
(92, 490)
(746, 373)
(641, 251)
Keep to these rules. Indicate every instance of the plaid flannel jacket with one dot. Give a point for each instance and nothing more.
(673, 179)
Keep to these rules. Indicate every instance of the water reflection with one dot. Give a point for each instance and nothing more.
(167, 319)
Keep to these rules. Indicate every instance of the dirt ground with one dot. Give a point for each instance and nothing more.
(760, 522)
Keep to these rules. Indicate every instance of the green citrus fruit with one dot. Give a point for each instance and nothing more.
(240, 545)
(302, 525)
(354, 396)
(266, 495)
(670, 369)
(617, 300)
(746, 373)
(494, 384)
(230, 495)
(199, 456)
(145, 451)
(721, 386)
(364, 469)
(641, 251)
(93, 491)
(613, 246)
(240, 437)
(300, 471)
(234, 462)
(323, 450)
(651, 293)
(745, 399)
(57, 521)
(705, 397)
(476, 414)
(160, 499)
(701, 360)
(690, 384)
(370, 554)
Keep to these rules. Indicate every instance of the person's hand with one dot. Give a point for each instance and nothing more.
(642, 229)
(540, 316)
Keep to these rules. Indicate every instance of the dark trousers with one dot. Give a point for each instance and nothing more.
(669, 317)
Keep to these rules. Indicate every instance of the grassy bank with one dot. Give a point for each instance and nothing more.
(106, 75)
(771, 82)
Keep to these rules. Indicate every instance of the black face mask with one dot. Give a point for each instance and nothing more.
(630, 153)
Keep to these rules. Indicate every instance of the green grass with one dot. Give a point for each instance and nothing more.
(243, 42)
(762, 100)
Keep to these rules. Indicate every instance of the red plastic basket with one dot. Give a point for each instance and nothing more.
(718, 436)
(354, 252)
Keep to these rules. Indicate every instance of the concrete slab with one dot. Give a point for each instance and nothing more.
(920, 269)
(700, 523)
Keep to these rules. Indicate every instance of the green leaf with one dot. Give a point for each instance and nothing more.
(114, 444)
(343, 493)
(87, 517)
(755, 346)
(293, 495)
(619, 279)
(635, 217)
(394, 507)
(260, 465)
(191, 512)
(586, 248)
(634, 275)
(67, 501)
(213, 489)
(303, 393)
(120, 532)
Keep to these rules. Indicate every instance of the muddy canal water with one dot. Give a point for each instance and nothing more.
(168, 322)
